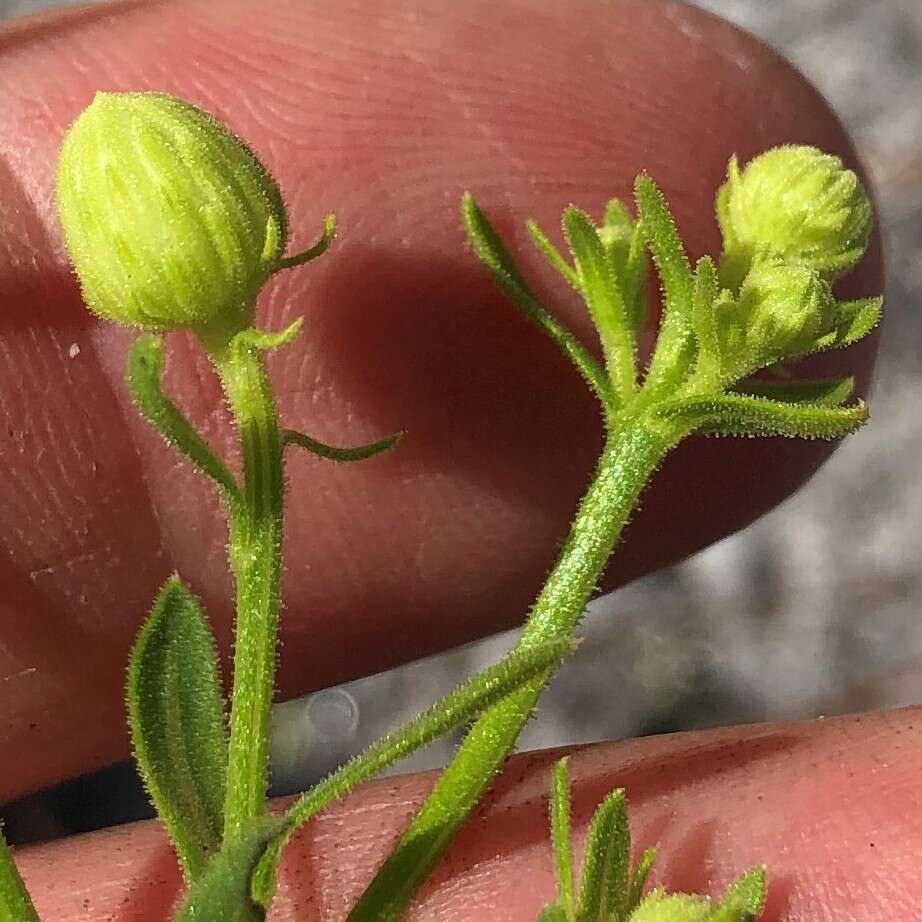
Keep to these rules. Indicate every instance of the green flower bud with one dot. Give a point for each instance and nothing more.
(782, 312)
(797, 203)
(170, 220)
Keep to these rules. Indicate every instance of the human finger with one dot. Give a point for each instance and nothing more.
(385, 116)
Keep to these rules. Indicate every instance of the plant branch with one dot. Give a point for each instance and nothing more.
(632, 453)
(255, 550)
(457, 707)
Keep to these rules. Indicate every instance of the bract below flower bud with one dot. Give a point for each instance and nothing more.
(170, 220)
(797, 203)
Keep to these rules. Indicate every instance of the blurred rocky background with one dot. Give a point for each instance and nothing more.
(816, 609)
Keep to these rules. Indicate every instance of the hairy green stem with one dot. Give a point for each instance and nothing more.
(255, 556)
(15, 903)
(634, 449)
(457, 708)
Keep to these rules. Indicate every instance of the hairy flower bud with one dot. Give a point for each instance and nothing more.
(797, 203)
(781, 313)
(170, 220)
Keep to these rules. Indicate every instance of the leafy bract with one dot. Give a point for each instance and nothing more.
(176, 717)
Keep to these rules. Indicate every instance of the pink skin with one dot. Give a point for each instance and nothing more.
(831, 807)
(385, 114)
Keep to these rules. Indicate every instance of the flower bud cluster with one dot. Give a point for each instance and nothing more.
(793, 220)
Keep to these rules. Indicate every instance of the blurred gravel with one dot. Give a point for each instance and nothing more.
(815, 609)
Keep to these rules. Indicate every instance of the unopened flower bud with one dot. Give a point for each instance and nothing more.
(170, 220)
(783, 310)
(797, 203)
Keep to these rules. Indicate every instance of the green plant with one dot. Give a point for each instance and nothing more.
(173, 224)
(610, 890)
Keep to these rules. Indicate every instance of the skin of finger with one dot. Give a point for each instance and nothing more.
(384, 115)
(829, 806)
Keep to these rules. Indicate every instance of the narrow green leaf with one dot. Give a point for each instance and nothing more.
(752, 888)
(553, 913)
(145, 367)
(267, 339)
(665, 245)
(15, 902)
(176, 716)
(551, 253)
(603, 297)
(744, 900)
(624, 244)
(635, 280)
(733, 414)
(855, 319)
(829, 393)
(335, 453)
(318, 249)
(493, 254)
(560, 835)
(639, 880)
(604, 886)
(618, 219)
(675, 344)
(222, 893)
(458, 707)
(704, 317)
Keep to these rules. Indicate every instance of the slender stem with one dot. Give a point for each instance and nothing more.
(632, 452)
(457, 708)
(255, 556)
(15, 903)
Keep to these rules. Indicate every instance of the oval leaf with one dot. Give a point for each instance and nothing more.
(176, 716)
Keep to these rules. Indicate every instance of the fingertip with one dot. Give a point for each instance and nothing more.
(385, 116)
(828, 807)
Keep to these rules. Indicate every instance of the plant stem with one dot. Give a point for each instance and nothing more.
(15, 903)
(634, 448)
(255, 556)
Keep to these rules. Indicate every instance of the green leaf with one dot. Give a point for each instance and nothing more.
(15, 902)
(604, 887)
(704, 316)
(553, 913)
(222, 893)
(672, 907)
(829, 393)
(552, 254)
(603, 297)
(253, 338)
(176, 716)
(493, 254)
(733, 414)
(744, 900)
(560, 835)
(675, 343)
(335, 453)
(639, 880)
(145, 367)
(318, 249)
(618, 219)
(489, 686)
(854, 320)
(624, 244)
(665, 246)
